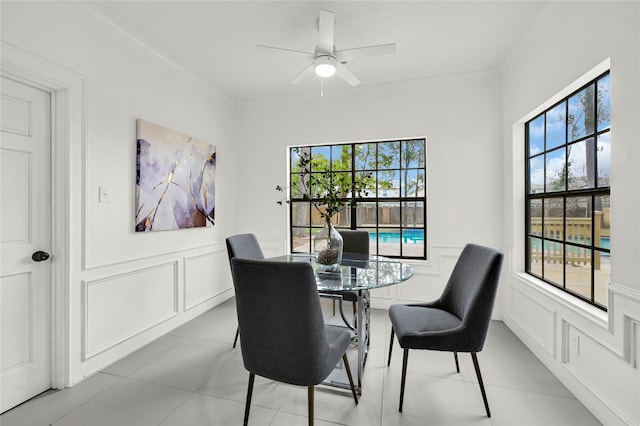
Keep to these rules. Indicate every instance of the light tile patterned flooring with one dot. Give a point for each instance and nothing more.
(193, 376)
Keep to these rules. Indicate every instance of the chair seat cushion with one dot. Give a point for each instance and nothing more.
(339, 338)
(312, 373)
(420, 327)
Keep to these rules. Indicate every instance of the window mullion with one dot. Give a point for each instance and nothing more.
(582, 110)
(392, 150)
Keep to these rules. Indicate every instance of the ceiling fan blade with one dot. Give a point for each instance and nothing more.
(280, 49)
(345, 74)
(365, 52)
(305, 72)
(326, 23)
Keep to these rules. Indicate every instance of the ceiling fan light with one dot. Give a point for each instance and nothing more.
(325, 66)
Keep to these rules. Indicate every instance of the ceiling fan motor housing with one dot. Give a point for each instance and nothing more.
(325, 65)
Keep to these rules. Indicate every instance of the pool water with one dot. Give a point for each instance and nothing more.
(409, 236)
(605, 243)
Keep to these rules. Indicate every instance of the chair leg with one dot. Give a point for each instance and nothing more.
(474, 356)
(353, 387)
(248, 403)
(334, 307)
(310, 404)
(237, 334)
(390, 347)
(405, 358)
(455, 356)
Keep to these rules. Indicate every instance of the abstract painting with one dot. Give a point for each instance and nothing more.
(175, 182)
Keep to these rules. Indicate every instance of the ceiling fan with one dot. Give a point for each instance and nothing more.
(326, 60)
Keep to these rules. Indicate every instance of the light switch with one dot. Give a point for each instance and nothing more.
(104, 194)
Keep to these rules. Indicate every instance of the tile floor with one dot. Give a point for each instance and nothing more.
(193, 376)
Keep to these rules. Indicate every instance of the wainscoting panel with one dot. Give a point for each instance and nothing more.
(534, 318)
(428, 281)
(381, 297)
(599, 359)
(634, 348)
(603, 373)
(206, 276)
(273, 248)
(421, 287)
(119, 307)
(429, 277)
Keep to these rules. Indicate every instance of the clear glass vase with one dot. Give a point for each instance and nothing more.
(327, 246)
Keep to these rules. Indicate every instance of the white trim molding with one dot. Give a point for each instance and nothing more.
(200, 285)
(155, 287)
(598, 352)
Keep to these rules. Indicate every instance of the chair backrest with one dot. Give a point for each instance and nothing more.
(471, 290)
(283, 331)
(244, 246)
(355, 241)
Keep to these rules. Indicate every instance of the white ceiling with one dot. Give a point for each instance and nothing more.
(215, 41)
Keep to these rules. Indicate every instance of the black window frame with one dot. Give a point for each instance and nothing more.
(312, 228)
(561, 195)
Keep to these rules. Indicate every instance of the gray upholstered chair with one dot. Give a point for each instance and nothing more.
(354, 242)
(458, 321)
(284, 337)
(244, 246)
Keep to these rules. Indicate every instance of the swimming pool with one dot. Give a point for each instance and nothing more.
(605, 243)
(409, 236)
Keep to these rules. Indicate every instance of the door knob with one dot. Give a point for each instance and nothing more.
(40, 256)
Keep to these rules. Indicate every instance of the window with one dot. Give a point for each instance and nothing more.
(568, 206)
(393, 211)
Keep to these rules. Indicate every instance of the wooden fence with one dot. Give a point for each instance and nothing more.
(577, 230)
(369, 215)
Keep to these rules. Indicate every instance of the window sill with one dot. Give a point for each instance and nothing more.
(569, 302)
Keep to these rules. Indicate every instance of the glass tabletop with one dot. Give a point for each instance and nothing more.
(356, 272)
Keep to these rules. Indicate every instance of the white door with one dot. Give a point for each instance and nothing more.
(25, 221)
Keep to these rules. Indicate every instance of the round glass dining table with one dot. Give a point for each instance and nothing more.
(356, 273)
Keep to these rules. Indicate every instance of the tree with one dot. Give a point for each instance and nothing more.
(582, 120)
(328, 189)
(585, 121)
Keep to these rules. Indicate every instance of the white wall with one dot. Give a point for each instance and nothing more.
(458, 115)
(474, 183)
(593, 353)
(128, 288)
